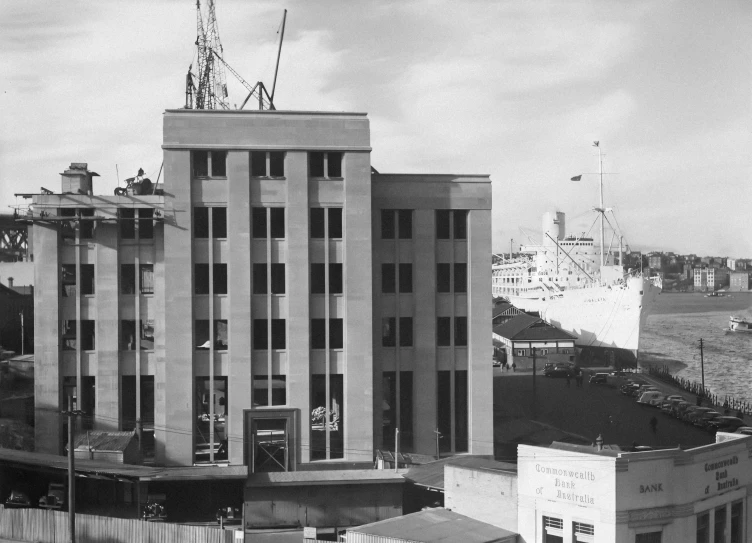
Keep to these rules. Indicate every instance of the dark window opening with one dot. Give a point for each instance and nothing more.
(460, 224)
(316, 164)
(202, 334)
(405, 221)
(334, 164)
(68, 280)
(387, 224)
(460, 277)
(88, 342)
(318, 333)
(276, 165)
(442, 224)
(258, 163)
(259, 222)
(68, 333)
(147, 278)
(200, 163)
(277, 222)
(86, 226)
(406, 278)
(219, 222)
(262, 386)
(719, 521)
(336, 334)
(443, 278)
(127, 335)
(406, 409)
(460, 411)
(406, 332)
(444, 410)
(87, 279)
(127, 279)
(279, 334)
(335, 278)
(211, 406)
(219, 163)
(387, 278)
(443, 331)
(127, 223)
(221, 339)
(335, 222)
(220, 278)
(260, 334)
(145, 224)
(388, 332)
(317, 222)
(327, 413)
(278, 278)
(201, 279)
(67, 229)
(259, 278)
(318, 278)
(200, 222)
(129, 405)
(460, 331)
(203, 341)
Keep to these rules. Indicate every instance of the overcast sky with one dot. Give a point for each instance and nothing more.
(515, 89)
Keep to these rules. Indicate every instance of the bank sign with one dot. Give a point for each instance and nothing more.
(724, 474)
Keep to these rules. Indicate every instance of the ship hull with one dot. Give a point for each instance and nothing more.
(607, 319)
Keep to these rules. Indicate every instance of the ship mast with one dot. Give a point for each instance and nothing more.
(600, 193)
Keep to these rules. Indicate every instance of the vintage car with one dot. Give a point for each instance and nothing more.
(154, 510)
(229, 515)
(55, 497)
(725, 424)
(17, 499)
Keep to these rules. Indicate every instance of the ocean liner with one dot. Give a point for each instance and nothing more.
(581, 287)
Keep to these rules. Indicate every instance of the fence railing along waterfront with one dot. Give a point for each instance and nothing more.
(693, 387)
(43, 526)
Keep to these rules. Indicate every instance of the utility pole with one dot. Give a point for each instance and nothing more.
(22, 331)
(438, 435)
(702, 369)
(71, 469)
(396, 448)
(535, 399)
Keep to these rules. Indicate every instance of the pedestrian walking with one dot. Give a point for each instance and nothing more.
(654, 425)
(569, 381)
(514, 366)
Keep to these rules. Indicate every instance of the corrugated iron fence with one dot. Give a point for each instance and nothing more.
(41, 526)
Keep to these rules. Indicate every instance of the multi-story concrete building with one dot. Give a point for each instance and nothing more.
(274, 303)
(739, 281)
(655, 261)
(710, 278)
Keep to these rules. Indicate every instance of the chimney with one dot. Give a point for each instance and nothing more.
(10, 282)
(77, 179)
(599, 443)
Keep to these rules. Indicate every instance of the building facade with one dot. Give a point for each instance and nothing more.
(273, 303)
(739, 281)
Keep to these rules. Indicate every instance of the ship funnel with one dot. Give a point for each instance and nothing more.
(554, 224)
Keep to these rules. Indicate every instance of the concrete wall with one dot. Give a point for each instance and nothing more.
(482, 494)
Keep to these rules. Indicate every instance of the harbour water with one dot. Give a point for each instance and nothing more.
(672, 337)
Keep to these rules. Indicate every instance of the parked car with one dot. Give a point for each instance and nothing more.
(598, 379)
(55, 497)
(671, 406)
(746, 430)
(725, 424)
(650, 397)
(629, 387)
(154, 510)
(680, 408)
(694, 412)
(643, 389)
(559, 370)
(229, 515)
(703, 420)
(17, 499)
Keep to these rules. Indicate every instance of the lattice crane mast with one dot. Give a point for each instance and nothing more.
(211, 91)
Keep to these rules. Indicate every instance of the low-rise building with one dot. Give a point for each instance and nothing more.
(739, 281)
(529, 340)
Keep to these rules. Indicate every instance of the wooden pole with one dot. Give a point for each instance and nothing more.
(71, 473)
(396, 448)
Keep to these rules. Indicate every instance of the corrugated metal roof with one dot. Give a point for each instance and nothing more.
(104, 441)
(325, 477)
(436, 526)
(525, 327)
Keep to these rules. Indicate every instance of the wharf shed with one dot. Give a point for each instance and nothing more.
(525, 337)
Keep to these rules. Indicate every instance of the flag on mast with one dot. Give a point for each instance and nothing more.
(577, 177)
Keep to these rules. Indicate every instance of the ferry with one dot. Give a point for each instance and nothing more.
(739, 324)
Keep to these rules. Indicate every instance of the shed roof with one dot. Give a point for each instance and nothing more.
(325, 477)
(525, 327)
(436, 526)
(104, 441)
(432, 475)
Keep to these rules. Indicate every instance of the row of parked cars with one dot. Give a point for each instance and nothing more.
(54, 499)
(678, 407)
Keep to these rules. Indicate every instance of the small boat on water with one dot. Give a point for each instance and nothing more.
(715, 294)
(739, 324)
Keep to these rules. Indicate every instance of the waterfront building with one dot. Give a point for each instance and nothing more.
(740, 281)
(710, 278)
(275, 302)
(525, 340)
(655, 261)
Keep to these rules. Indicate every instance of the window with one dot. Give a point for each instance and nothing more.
(327, 413)
(220, 335)
(127, 223)
(267, 164)
(145, 224)
(260, 334)
(318, 278)
(405, 221)
(703, 528)
(147, 278)
(737, 522)
(451, 224)
(127, 279)
(318, 333)
(277, 222)
(336, 334)
(68, 333)
(67, 229)
(405, 277)
(88, 342)
(583, 533)
(335, 278)
(327, 165)
(397, 411)
(219, 222)
(442, 224)
(553, 530)
(335, 222)
(220, 278)
(460, 411)
(406, 331)
(387, 278)
(387, 224)
(128, 333)
(68, 279)
(520, 352)
(210, 416)
(200, 222)
(443, 331)
(201, 279)
(258, 220)
(264, 388)
(209, 163)
(460, 277)
(719, 528)
(86, 226)
(648, 537)
(259, 278)
(388, 332)
(278, 278)
(279, 334)
(443, 278)
(460, 224)
(317, 222)
(87, 278)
